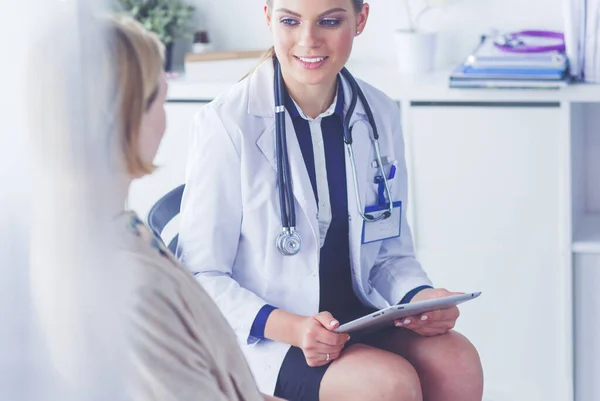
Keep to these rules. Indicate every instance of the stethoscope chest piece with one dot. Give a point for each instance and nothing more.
(289, 242)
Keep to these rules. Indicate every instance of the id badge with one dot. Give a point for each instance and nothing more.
(382, 229)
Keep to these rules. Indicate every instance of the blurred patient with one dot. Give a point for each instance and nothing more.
(183, 349)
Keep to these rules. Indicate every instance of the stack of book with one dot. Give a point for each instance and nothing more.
(491, 67)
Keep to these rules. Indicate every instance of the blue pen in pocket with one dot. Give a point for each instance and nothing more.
(392, 172)
(381, 199)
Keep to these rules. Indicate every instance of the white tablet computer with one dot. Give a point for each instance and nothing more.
(386, 317)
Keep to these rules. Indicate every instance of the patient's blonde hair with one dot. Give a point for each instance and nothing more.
(139, 57)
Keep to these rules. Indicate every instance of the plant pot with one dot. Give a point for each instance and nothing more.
(415, 51)
(168, 56)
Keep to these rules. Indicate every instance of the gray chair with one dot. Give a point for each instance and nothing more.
(163, 211)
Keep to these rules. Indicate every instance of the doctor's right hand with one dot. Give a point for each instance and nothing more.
(312, 334)
(317, 340)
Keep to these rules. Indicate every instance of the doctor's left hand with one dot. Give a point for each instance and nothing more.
(435, 322)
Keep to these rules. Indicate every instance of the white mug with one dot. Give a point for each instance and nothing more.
(415, 51)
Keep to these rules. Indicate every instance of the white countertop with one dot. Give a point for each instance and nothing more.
(431, 87)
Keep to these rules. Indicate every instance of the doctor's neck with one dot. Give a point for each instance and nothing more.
(312, 99)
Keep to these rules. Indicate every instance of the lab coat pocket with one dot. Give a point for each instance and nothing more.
(377, 194)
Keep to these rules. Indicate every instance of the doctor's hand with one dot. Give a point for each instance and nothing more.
(312, 334)
(317, 340)
(435, 322)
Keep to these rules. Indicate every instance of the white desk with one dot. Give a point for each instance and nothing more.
(500, 184)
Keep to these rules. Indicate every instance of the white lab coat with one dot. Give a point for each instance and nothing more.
(230, 215)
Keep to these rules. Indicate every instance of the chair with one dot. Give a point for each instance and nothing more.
(163, 211)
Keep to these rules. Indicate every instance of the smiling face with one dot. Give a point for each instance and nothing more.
(313, 38)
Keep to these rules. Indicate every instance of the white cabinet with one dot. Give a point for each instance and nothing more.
(587, 326)
(171, 159)
(488, 214)
(585, 153)
(585, 149)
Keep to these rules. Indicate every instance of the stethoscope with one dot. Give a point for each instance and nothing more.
(289, 241)
(514, 43)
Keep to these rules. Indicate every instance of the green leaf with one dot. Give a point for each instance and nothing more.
(169, 19)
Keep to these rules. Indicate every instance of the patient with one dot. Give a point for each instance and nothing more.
(183, 349)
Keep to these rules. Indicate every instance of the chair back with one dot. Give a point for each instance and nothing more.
(163, 211)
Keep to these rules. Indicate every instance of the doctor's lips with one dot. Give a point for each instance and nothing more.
(311, 63)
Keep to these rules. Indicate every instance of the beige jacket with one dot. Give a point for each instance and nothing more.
(183, 348)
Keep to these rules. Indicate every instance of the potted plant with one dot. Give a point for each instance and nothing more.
(169, 19)
(415, 46)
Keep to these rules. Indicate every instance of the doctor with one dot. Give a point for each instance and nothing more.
(286, 222)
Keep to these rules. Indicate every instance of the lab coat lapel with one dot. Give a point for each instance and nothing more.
(301, 185)
(257, 105)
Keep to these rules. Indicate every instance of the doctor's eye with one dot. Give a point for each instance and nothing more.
(289, 21)
(330, 22)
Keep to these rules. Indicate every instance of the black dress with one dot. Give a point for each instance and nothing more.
(297, 381)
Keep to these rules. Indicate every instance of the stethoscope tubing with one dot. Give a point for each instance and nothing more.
(560, 47)
(288, 213)
(286, 200)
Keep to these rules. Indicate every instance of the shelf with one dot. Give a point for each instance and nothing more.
(587, 235)
(433, 87)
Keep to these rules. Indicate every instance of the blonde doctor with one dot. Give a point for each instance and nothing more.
(287, 223)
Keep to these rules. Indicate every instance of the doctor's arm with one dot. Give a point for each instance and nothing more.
(211, 215)
(400, 277)
(397, 275)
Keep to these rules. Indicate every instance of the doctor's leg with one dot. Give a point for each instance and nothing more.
(448, 365)
(364, 373)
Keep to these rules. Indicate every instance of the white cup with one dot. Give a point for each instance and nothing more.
(415, 51)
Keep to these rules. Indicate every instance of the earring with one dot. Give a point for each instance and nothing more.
(357, 32)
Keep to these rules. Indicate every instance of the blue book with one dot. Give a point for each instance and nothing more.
(508, 83)
(468, 72)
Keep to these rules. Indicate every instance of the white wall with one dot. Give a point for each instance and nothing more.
(239, 24)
